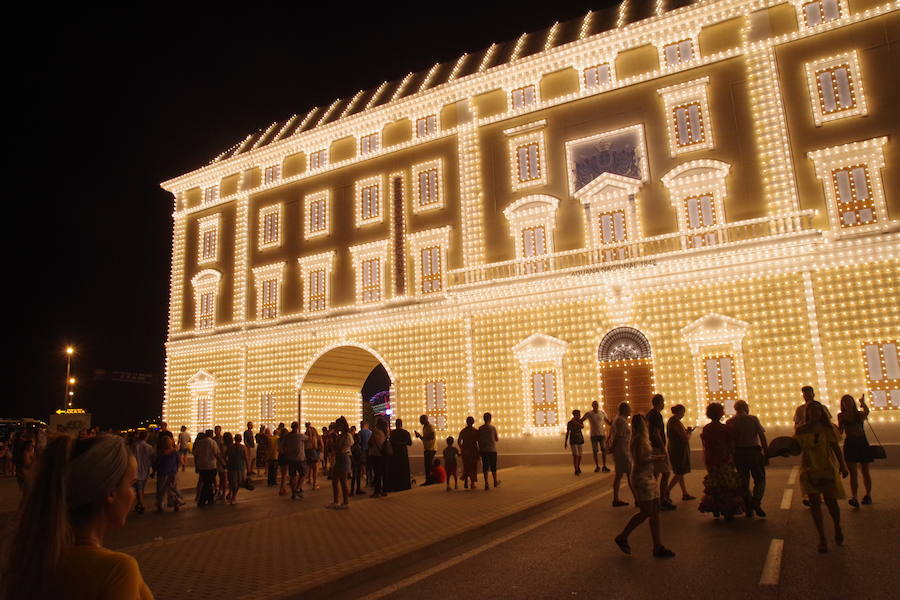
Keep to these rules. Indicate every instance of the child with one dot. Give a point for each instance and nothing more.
(438, 474)
(450, 454)
(237, 464)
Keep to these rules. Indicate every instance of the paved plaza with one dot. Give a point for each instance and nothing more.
(542, 534)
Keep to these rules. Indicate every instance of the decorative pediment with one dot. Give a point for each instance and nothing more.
(715, 329)
(696, 171)
(540, 348)
(206, 277)
(606, 187)
(201, 381)
(530, 205)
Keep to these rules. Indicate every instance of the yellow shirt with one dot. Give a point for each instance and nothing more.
(91, 573)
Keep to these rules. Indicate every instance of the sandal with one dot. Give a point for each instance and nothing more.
(663, 552)
(622, 543)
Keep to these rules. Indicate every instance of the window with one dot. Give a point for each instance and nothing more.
(854, 191)
(316, 214)
(269, 308)
(524, 96)
(426, 126)
(597, 76)
(428, 192)
(207, 316)
(432, 273)
(609, 202)
(204, 403)
(436, 404)
(720, 381)
(527, 156)
(687, 110)
(211, 194)
(688, 124)
(267, 411)
(613, 230)
(318, 159)
(679, 52)
(534, 244)
(370, 262)
(315, 273)
(368, 143)
(543, 398)
(368, 201)
(882, 374)
(835, 88)
(270, 226)
(206, 288)
(271, 174)
(700, 212)
(269, 279)
(208, 248)
(371, 280)
(820, 11)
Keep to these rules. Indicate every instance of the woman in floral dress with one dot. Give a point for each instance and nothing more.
(722, 486)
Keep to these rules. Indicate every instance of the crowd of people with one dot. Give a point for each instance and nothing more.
(81, 487)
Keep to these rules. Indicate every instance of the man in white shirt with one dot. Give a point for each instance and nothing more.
(597, 419)
(184, 446)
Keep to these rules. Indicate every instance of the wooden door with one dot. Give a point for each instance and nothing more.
(626, 381)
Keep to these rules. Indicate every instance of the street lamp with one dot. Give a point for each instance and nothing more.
(69, 379)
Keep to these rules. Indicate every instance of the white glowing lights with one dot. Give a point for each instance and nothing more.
(208, 242)
(697, 192)
(269, 227)
(527, 160)
(369, 200)
(370, 262)
(316, 214)
(429, 253)
(716, 343)
(540, 358)
(687, 111)
(428, 186)
(315, 275)
(835, 88)
(269, 281)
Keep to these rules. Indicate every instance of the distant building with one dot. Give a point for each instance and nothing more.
(698, 199)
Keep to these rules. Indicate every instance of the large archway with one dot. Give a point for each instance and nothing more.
(333, 382)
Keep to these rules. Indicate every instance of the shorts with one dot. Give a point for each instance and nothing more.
(661, 467)
(341, 465)
(622, 460)
(597, 442)
(576, 449)
(312, 455)
(450, 467)
(296, 467)
(489, 461)
(183, 452)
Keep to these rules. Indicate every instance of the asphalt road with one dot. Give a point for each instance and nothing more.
(568, 552)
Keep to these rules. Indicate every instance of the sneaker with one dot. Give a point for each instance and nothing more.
(622, 543)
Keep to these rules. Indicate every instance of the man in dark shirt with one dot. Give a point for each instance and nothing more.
(657, 430)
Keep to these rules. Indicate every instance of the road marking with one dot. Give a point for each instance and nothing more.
(786, 499)
(772, 568)
(792, 478)
(404, 583)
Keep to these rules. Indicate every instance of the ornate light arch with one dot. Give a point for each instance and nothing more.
(302, 376)
(623, 343)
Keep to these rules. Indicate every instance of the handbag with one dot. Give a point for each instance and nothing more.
(876, 451)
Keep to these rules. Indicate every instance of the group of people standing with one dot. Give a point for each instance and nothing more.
(653, 457)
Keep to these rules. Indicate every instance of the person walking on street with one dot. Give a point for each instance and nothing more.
(620, 444)
(236, 462)
(206, 461)
(821, 469)
(646, 490)
(468, 446)
(144, 456)
(661, 469)
(184, 446)
(342, 444)
(487, 446)
(723, 489)
(250, 447)
(749, 455)
(294, 449)
(575, 439)
(598, 422)
(429, 440)
(856, 446)
(166, 467)
(679, 448)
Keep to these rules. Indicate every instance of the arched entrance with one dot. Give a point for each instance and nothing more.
(332, 384)
(626, 370)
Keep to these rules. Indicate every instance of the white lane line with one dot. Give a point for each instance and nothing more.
(792, 478)
(404, 583)
(786, 499)
(772, 568)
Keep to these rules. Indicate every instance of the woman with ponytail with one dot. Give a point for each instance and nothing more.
(82, 489)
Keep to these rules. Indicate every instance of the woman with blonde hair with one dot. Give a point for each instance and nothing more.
(82, 490)
(646, 492)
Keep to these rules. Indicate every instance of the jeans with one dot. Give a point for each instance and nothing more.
(207, 483)
(355, 473)
(379, 469)
(429, 465)
(750, 462)
(272, 472)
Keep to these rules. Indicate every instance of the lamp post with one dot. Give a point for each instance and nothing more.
(69, 379)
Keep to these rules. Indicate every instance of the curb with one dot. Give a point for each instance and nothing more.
(349, 581)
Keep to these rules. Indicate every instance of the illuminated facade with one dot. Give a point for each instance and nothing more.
(699, 199)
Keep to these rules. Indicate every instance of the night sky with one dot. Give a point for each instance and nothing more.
(111, 104)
